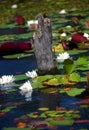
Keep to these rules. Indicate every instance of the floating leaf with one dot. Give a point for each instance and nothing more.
(74, 77)
(34, 115)
(7, 109)
(51, 82)
(17, 56)
(73, 91)
(68, 66)
(61, 122)
(37, 82)
(81, 61)
(20, 77)
(43, 108)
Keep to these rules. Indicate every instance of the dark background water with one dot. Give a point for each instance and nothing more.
(13, 66)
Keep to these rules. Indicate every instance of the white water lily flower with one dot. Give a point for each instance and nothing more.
(63, 56)
(6, 79)
(63, 35)
(31, 74)
(68, 26)
(63, 11)
(14, 6)
(32, 23)
(25, 88)
(86, 35)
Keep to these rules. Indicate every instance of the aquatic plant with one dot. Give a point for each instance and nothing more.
(26, 90)
(31, 74)
(62, 56)
(6, 79)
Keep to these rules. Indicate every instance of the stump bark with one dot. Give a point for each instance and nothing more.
(43, 46)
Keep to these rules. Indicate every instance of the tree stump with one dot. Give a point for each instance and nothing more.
(43, 46)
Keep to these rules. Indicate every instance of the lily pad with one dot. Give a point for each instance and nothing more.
(17, 56)
(74, 77)
(20, 77)
(81, 61)
(61, 122)
(68, 66)
(7, 109)
(73, 91)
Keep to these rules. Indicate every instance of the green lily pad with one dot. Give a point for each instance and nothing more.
(81, 61)
(52, 80)
(37, 82)
(61, 122)
(20, 77)
(7, 109)
(74, 77)
(73, 91)
(68, 66)
(17, 56)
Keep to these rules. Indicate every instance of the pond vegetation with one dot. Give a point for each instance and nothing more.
(59, 101)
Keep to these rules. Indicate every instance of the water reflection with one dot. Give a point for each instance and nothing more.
(8, 86)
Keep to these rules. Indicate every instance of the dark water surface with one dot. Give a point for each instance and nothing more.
(13, 66)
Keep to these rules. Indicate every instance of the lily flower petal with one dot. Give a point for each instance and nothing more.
(31, 74)
(62, 56)
(63, 11)
(26, 87)
(6, 79)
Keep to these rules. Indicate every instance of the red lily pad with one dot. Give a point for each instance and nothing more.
(78, 38)
(19, 20)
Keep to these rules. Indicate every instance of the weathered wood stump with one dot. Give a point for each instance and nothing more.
(43, 47)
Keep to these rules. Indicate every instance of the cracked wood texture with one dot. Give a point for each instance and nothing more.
(43, 46)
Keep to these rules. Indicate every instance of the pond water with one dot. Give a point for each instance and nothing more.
(15, 30)
(40, 99)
